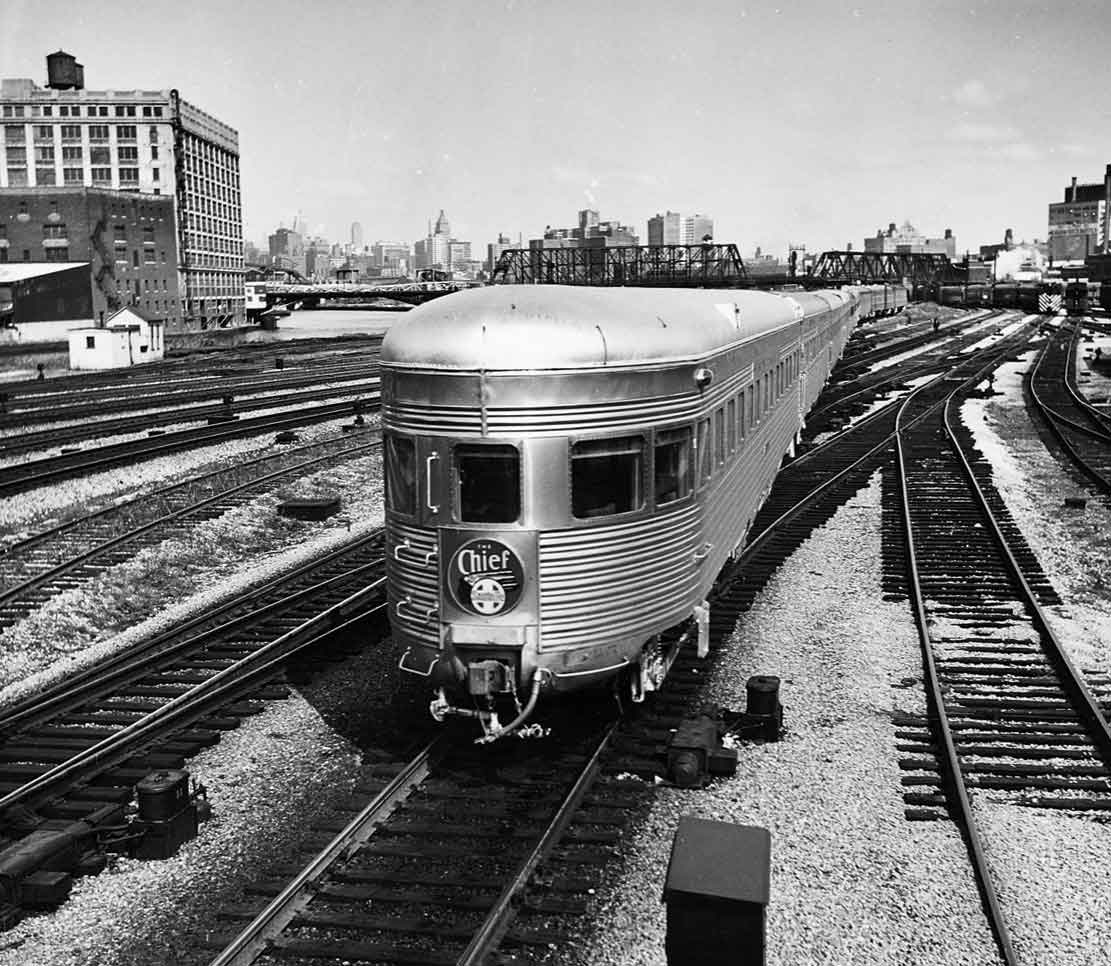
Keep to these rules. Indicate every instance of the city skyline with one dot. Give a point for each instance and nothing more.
(819, 124)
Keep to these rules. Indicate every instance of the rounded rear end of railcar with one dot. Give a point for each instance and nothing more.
(545, 499)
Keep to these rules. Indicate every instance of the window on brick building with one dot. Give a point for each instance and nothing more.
(45, 177)
(73, 175)
(71, 132)
(98, 132)
(125, 132)
(102, 175)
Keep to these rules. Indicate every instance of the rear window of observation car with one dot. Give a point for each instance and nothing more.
(673, 476)
(489, 483)
(401, 474)
(607, 476)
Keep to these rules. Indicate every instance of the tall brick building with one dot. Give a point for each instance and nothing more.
(129, 241)
(1079, 225)
(149, 142)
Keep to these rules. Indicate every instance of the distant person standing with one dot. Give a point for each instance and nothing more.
(937, 324)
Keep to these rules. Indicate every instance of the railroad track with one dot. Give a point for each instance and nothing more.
(75, 751)
(18, 478)
(440, 865)
(35, 569)
(848, 396)
(1009, 715)
(1083, 431)
(178, 414)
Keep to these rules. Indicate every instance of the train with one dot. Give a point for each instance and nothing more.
(1032, 297)
(568, 468)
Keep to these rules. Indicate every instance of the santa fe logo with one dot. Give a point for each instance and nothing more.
(485, 577)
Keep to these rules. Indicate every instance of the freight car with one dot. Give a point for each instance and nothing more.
(568, 468)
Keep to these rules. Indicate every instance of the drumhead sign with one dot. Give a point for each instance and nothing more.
(485, 577)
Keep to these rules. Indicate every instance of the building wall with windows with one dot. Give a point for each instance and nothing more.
(666, 229)
(129, 241)
(1079, 225)
(149, 142)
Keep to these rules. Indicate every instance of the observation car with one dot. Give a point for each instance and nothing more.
(567, 469)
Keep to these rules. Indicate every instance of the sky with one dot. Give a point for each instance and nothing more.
(815, 123)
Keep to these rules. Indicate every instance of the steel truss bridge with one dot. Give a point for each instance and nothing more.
(714, 266)
(311, 295)
(702, 266)
(864, 268)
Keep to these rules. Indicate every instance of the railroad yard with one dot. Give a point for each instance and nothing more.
(158, 612)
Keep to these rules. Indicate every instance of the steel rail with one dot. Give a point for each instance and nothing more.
(14, 480)
(268, 924)
(1099, 418)
(82, 430)
(757, 542)
(38, 580)
(200, 699)
(1055, 420)
(91, 682)
(957, 793)
(1083, 701)
(162, 492)
(490, 932)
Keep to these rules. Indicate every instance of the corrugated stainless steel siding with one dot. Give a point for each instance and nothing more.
(540, 419)
(408, 576)
(623, 578)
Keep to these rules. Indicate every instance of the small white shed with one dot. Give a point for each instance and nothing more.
(127, 338)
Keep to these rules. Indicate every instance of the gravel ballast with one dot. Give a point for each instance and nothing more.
(852, 880)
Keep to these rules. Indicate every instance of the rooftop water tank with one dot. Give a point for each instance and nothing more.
(63, 72)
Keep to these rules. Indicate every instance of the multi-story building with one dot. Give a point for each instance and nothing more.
(665, 229)
(436, 249)
(696, 228)
(318, 259)
(494, 250)
(1079, 225)
(392, 257)
(459, 256)
(910, 241)
(356, 237)
(590, 233)
(287, 250)
(128, 240)
(147, 142)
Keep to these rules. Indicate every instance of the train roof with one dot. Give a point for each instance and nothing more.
(569, 327)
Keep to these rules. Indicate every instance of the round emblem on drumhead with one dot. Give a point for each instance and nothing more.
(485, 577)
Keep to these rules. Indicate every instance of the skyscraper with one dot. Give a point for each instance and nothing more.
(665, 229)
(141, 141)
(697, 227)
(356, 236)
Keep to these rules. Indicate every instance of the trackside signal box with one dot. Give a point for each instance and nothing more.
(717, 888)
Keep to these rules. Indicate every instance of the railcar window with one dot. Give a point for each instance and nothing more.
(673, 465)
(489, 483)
(606, 476)
(705, 453)
(719, 435)
(401, 474)
(731, 419)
